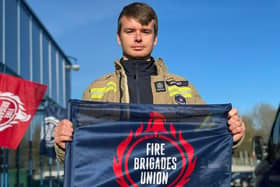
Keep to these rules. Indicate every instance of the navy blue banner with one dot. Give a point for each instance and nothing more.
(148, 145)
(52, 116)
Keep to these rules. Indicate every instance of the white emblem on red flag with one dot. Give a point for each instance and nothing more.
(11, 110)
(19, 100)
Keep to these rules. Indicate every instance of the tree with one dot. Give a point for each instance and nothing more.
(257, 122)
(263, 116)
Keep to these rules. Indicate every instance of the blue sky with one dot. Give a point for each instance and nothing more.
(230, 50)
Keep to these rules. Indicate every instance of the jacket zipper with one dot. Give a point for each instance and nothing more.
(137, 84)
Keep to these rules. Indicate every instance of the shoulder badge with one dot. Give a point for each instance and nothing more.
(177, 83)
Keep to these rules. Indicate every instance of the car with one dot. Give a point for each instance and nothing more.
(267, 171)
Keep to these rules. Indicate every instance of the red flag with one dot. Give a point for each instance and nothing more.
(19, 100)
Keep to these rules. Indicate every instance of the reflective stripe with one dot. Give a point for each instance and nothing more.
(184, 91)
(98, 93)
(96, 96)
(111, 83)
(187, 95)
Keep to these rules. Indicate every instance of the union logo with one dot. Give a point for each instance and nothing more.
(48, 135)
(11, 110)
(166, 152)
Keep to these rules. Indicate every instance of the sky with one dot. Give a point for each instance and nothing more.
(230, 50)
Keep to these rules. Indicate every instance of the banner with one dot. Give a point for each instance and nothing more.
(19, 100)
(148, 145)
(53, 115)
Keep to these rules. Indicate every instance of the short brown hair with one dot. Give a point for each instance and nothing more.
(142, 12)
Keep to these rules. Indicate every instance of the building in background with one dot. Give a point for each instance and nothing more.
(27, 50)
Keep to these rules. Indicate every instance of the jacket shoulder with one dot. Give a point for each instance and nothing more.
(176, 77)
(101, 82)
(193, 97)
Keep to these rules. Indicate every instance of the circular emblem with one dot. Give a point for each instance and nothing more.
(157, 164)
(8, 110)
(180, 99)
(11, 110)
(50, 124)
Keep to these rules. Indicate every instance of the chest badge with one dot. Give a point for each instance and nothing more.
(160, 86)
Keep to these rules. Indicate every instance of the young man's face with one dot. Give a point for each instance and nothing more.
(137, 40)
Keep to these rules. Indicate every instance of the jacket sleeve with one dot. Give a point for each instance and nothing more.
(86, 93)
(59, 153)
(97, 84)
(239, 142)
(195, 97)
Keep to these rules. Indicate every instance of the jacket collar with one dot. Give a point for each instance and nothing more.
(161, 67)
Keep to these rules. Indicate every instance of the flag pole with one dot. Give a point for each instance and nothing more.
(2, 166)
(50, 170)
(30, 156)
(41, 158)
(44, 137)
(50, 166)
(41, 171)
(17, 165)
(57, 170)
(3, 160)
(6, 152)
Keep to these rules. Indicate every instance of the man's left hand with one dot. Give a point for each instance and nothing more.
(236, 125)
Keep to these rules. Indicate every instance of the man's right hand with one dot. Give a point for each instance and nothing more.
(63, 133)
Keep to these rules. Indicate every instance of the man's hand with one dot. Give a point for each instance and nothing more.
(63, 132)
(236, 125)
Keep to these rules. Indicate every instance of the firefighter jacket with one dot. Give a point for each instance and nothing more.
(166, 89)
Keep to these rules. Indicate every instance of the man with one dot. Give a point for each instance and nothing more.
(138, 78)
